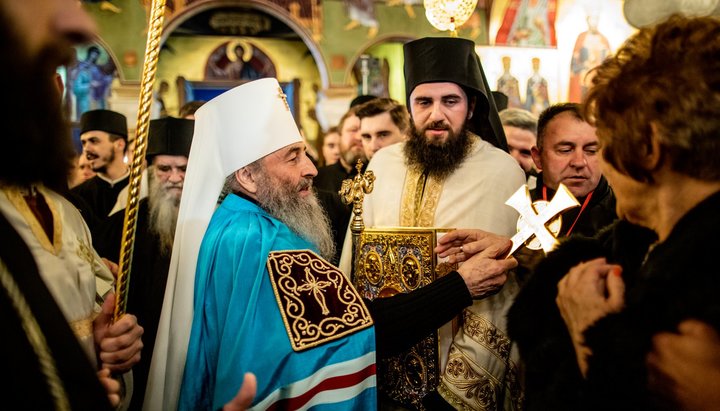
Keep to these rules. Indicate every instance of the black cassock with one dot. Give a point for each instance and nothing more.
(148, 277)
(95, 198)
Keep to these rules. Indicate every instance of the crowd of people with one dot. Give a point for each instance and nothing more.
(241, 294)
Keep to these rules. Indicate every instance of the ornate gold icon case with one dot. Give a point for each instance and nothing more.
(389, 261)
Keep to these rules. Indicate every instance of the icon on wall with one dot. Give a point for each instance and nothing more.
(372, 75)
(536, 95)
(591, 48)
(88, 80)
(508, 84)
(528, 23)
(238, 60)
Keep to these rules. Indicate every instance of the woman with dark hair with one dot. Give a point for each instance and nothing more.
(586, 320)
(328, 147)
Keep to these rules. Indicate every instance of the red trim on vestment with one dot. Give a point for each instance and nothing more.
(333, 383)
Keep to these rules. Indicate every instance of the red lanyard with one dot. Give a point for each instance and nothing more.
(585, 203)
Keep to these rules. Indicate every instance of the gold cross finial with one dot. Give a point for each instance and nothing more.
(283, 96)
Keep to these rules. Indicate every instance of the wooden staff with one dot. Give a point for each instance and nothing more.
(152, 52)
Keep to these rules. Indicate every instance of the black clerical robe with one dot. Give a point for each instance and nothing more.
(664, 284)
(597, 214)
(148, 277)
(100, 194)
(327, 183)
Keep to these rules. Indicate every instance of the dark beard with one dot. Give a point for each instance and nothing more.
(106, 163)
(305, 217)
(36, 138)
(163, 210)
(437, 160)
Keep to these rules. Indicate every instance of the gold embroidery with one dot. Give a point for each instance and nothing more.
(418, 204)
(514, 387)
(479, 391)
(419, 212)
(83, 328)
(419, 191)
(36, 338)
(316, 301)
(486, 334)
(452, 399)
(433, 189)
(15, 196)
(407, 200)
(316, 288)
(85, 252)
(467, 385)
(57, 219)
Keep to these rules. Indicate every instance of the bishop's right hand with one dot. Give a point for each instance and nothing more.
(461, 245)
(484, 268)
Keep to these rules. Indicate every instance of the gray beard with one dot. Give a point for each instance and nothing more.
(163, 208)
(352, 158)
(304, 216)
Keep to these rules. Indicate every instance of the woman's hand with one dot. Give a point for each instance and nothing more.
(686, 366)
(588, 292)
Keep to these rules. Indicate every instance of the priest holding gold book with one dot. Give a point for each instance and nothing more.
(453, 172)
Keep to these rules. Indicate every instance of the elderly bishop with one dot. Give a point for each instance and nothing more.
(247, 288)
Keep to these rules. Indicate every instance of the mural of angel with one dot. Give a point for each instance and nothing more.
(362, 13)
(89, 80)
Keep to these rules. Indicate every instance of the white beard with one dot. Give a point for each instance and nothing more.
(163, 207)
(304, 216)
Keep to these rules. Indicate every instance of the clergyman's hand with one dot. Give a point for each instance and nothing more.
(460, 245)
(111, 385)
(119, 344)
(245, 395)
(111, 266)
(486, 272)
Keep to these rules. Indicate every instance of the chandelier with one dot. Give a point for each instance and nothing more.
(449, 14)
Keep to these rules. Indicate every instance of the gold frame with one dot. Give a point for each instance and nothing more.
(394, 260)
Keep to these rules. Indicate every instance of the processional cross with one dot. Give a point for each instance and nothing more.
(539, 220)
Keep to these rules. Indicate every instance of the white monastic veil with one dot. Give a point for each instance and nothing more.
(231, 131)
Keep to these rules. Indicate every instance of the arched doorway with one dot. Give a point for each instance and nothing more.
(211, 46)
